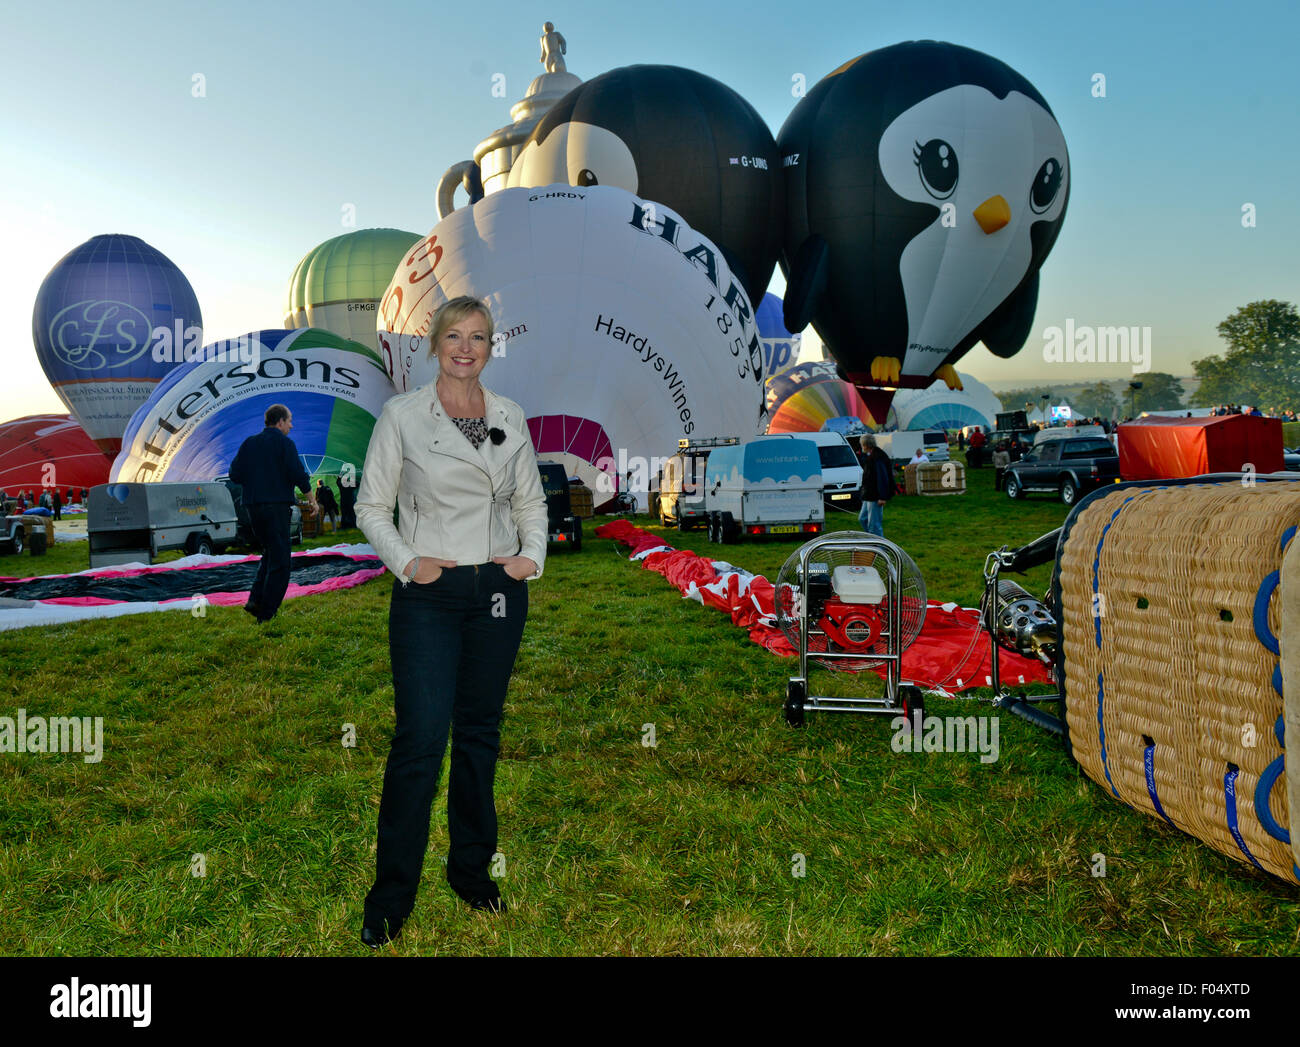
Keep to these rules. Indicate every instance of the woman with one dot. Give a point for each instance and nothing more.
(457, 462)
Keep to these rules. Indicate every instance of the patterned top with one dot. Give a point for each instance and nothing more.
(475, 429)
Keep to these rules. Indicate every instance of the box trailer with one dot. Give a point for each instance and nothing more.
(770, 485)
(902, 446)
(134, 522)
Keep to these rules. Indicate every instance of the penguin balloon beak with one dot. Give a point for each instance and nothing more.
(993, 214)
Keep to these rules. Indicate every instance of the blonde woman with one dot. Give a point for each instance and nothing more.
(457, 462)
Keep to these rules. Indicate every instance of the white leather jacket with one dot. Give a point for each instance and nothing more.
(453, 500)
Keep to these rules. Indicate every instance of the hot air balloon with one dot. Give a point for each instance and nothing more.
(192, 425)
(925, 185)
(780, 347)
(675, 136)
(619, 328)
(338, 284)
(49, 450)
(99, 325)
(807, 396)
(942, 408)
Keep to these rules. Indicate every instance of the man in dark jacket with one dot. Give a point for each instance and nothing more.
(268, 468)
(877, 486)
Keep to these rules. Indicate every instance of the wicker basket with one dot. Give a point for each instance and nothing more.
(1171, 598)
(934, 478)
(580, 501)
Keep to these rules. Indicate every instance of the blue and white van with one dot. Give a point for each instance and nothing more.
(771, 485)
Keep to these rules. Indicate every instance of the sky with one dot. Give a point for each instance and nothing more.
(309, 109)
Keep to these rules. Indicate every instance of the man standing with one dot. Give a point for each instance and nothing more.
(975, 453)
(56, 501)
(329, 506)
(268, 468)
(348, 501)
(877, 486)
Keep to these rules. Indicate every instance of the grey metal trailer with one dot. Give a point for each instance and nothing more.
(134, 522)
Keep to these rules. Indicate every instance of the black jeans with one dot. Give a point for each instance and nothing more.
(270, 522)
(452, 643)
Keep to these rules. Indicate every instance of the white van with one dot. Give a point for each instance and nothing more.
(841, 472)
(766, 486)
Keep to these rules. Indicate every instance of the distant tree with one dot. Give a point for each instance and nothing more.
(1159, 392)
(1097, 401)
(1016, 399)
(1262, 363)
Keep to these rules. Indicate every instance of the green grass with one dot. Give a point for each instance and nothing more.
(225, 741)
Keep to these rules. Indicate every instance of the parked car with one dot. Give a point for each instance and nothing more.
(1291, 459)
(677, 495)
(13, 535)
(244, 535)
(1067, 468)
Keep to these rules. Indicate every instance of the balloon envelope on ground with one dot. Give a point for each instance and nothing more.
(49, 450)
(191, 427)
(338, 284)
(619, 329)
(96, 325)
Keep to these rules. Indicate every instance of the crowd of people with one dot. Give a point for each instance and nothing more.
(51, 498)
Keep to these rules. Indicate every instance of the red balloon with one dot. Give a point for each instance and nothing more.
(49, 450)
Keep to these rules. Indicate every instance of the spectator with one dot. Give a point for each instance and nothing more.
(329, 506)
(877, 486)
(975, 456)
(56, 500)
(919, 457)
(268, 467)
(84, 495)
(348, 498)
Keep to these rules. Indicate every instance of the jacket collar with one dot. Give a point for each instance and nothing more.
(446, 438)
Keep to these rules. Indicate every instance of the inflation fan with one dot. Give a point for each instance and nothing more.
(847, 602)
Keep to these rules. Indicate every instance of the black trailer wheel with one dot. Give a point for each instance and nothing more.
(199, 543)
(682, 525)
(728, 529)
(18, 541)
(715, 528)
(795, 693)
(913, 703)
(576, 544)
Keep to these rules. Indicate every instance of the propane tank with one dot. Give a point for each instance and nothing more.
(1023, 623)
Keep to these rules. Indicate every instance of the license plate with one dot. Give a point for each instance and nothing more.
(782, 530)
(839, 498)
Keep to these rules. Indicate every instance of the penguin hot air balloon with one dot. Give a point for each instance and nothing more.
(925, 185)
(676, 137)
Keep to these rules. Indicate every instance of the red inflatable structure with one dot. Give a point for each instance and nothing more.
(1155, 448)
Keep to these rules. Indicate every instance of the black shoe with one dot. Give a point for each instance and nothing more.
(381, 933)
(254, 610)
(483, 901)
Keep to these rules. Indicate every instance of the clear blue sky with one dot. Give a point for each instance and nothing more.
(311, 106)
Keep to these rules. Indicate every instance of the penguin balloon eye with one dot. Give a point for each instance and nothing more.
(587, 177)
(1047, 183)
(937, 163)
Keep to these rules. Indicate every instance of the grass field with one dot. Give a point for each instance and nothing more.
(226, 741)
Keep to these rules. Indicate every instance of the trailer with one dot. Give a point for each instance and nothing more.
(134, 522)
(902, 446)
(771, 485)
(563, 528)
